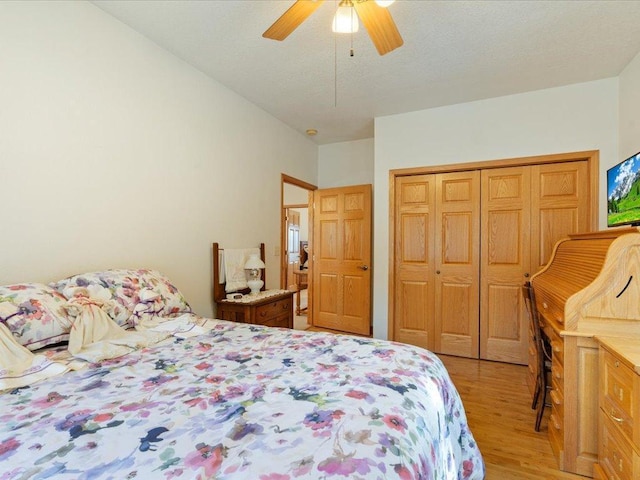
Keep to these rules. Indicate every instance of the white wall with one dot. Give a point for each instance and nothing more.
(566, 119)
(630, 109)
(116, 154)
(346, 163)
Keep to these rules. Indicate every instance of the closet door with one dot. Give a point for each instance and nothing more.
(413, 296)
(457, 262)
(506, 220)
(525, 211)
(462, 253)
(560, 205)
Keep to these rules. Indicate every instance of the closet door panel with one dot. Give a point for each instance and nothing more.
(559, 204)
(505, 261)
(457, 263)
(414, 269)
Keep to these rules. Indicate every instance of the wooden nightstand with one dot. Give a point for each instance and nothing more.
(270, 308)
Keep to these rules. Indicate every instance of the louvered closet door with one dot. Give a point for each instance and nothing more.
(413, 300)
(457, 262)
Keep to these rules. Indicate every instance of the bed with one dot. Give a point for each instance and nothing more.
(226, 400)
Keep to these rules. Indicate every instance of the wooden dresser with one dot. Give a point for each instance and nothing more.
(619, 398)
(590, 287)
(273, 309)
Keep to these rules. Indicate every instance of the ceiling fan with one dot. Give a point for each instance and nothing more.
(373, 14)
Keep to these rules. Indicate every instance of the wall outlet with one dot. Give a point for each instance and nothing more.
(276, 251)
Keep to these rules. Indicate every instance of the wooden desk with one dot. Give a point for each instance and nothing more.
(301, 284)
(272, 310)
(587, 289)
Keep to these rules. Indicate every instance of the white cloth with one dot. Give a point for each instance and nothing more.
(234, 260)
(19, 367)
(94, 336)
(181, 327)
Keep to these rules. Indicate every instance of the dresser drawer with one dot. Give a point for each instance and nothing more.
(550, 308)
(557, 349)
(282, 321)
(616, 455)
(557, 375)
(556, 399)
(272, 310)
(617, 390)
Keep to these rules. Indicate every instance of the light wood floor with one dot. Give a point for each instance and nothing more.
(498, 406)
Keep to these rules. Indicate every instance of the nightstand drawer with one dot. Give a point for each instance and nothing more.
(266, 308)
(282, 321)
(272, 310)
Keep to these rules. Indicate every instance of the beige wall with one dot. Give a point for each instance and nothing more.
(630, 109)
(115, 153)
(346, 163)
(565, 119)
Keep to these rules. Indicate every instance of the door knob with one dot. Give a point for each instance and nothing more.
(364, 267)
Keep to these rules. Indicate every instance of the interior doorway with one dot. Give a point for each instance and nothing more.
(295, 246)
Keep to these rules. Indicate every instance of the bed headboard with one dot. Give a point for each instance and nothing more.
(219, 292)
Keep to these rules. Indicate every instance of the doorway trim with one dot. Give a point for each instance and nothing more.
(284, 178)
(592, 157)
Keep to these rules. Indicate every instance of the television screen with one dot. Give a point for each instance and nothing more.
(623, 192)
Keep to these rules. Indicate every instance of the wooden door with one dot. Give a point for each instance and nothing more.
(342, 259)
(457, 263)
(559, 206)
(505, 259)
(525, 211)
(413, 302)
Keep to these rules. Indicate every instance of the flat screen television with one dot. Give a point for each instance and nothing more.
(623, 193)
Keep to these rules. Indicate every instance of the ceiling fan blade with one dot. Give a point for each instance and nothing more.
(380, 26)
(291, 19)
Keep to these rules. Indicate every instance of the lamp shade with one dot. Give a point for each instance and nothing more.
(345, 20)
(254, 262)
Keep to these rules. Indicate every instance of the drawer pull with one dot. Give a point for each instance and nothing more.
(554, 421)
(618, 460)
(612, 414)
(617, 363)
(619, 392)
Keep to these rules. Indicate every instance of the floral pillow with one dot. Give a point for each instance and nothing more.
(34, 313)
(128, 289)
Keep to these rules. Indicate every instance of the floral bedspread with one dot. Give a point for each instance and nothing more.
(244, 402)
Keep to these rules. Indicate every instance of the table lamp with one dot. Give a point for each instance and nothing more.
(254, 265)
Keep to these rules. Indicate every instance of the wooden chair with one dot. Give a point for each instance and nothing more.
(543, 355)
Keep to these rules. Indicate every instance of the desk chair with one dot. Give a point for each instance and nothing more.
(543, 354)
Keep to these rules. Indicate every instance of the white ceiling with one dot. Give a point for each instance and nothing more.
(453, 52)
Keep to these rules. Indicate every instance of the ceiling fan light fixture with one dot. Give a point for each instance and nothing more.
(384, 3)
(345, 19)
